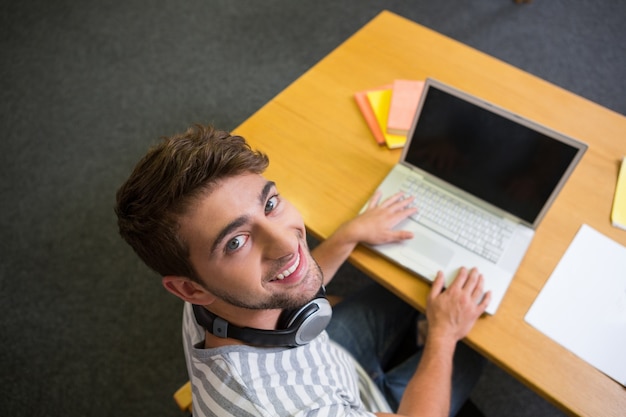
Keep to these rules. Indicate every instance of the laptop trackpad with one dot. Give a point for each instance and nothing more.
(421, 254)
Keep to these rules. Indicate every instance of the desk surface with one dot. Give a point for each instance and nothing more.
(327, 164)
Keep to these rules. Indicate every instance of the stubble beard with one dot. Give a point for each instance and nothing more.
(283, 300)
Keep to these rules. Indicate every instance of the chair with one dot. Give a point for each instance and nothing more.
(183, 397)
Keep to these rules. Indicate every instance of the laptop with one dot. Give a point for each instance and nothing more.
(483, 179)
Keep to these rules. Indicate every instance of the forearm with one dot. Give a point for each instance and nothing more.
(429, 391)
(451, 315)
(333, 252)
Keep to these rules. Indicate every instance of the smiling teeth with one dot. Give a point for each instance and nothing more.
(290, 270)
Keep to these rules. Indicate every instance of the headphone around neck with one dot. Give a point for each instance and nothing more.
(295, 327)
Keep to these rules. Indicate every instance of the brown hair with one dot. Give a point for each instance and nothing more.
(165, 183)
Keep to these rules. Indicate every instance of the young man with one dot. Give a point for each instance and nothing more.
(198, 211)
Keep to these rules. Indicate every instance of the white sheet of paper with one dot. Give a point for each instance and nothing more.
(583, 304)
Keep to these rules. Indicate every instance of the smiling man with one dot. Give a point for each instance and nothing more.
(257, 330)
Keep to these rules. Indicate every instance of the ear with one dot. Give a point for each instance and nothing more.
(187, 290)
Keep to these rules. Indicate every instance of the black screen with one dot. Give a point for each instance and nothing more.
(490, 156)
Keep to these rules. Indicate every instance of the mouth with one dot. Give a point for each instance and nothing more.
(290, 270)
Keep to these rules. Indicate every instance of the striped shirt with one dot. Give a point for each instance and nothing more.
(318, 379)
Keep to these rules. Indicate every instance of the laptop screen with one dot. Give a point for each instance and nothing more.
(495, 158)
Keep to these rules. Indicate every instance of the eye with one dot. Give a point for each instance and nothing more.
(271, 204)
(236, 243)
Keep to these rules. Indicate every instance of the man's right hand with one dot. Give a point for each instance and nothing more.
(453, 312)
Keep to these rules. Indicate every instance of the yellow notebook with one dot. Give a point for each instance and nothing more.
(618, 214)
(379, 100)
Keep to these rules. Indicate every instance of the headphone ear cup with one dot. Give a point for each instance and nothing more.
(288, 317)
(308, 321)
(315, 323)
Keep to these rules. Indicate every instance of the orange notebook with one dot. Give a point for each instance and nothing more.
(405, 96)
(368, 114)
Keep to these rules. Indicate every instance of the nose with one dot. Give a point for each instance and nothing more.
(277, 241)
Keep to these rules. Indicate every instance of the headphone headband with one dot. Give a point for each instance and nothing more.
(296, 327)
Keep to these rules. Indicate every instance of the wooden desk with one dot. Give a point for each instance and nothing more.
(326, 163)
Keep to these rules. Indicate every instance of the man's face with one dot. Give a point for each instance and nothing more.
(249, 247)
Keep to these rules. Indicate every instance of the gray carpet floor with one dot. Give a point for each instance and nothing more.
(86, 86)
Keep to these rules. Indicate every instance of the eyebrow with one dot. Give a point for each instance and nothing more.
(241, 220)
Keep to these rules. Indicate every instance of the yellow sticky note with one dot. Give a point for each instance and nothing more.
(379, 100)
(618, 214)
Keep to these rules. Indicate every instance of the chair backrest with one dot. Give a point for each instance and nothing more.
(183, 397)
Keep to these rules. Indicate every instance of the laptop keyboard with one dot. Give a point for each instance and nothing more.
(476, 230)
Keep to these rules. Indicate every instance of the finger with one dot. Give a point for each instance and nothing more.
(477, 291)
(460, 279)
(375, 199)
(473, 279)
(402, 213)
(404, 200)
(397, 236)
(437, 286)
(396, 198)
(485, 302)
